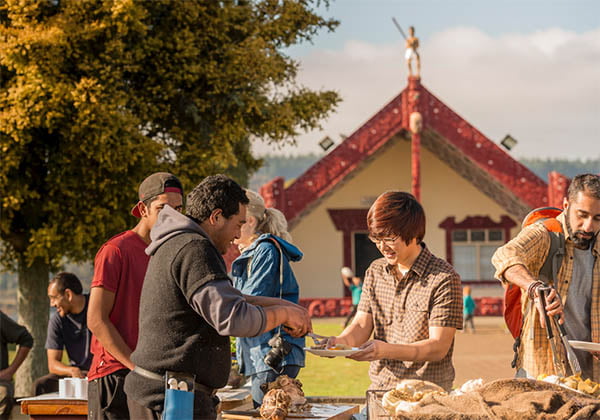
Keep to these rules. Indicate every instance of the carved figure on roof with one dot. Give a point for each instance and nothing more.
(412, 46)
(415, 122)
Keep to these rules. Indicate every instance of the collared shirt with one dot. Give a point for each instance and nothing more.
(428, 295)
(530, 248)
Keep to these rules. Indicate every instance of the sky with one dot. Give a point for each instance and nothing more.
(528, 68)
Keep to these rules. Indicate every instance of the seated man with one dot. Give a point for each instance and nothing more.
(67, 329)
(11, 333)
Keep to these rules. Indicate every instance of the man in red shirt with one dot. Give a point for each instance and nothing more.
(119, 270)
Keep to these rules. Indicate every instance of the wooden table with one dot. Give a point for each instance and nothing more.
(234, 398)
(47, 407)
(60, 408)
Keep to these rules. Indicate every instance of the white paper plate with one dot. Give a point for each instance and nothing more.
(584, 345)
(332, 353)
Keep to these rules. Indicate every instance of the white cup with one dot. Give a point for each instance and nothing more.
(65, 388)
(80, 388)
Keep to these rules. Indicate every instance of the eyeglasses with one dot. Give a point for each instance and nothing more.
(386, 241)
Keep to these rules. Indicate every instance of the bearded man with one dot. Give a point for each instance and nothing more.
(575, 293)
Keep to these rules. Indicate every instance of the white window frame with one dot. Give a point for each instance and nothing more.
(477, 245)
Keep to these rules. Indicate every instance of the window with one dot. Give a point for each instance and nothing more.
(472, 251)
(471, 243)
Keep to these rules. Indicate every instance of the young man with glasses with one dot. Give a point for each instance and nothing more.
(411, 301)
(119, 270)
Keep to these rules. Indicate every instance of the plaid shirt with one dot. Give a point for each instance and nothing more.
(429, 295)
(530, 249)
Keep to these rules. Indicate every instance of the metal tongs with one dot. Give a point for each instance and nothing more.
(559, 365)
(320, 340)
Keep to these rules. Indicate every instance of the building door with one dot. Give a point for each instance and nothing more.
(365, 252)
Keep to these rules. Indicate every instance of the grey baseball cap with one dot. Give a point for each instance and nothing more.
(156, 184)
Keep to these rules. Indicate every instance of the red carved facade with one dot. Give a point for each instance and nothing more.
(531, 189)
(328, 172)
(557, 189)
(273, 192)
(392, 120)
(414, 105)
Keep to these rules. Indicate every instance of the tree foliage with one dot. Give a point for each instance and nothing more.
(97, 94)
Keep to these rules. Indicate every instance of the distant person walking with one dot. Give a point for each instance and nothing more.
(468, 309)
(355, 285)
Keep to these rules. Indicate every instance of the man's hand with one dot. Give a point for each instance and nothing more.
(76, 372)
(298, 322)
(553, 305)
(332, 341)
(370, 351)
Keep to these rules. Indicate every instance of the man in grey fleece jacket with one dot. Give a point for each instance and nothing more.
(189, 307)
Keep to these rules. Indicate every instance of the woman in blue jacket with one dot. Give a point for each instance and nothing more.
(265, 247)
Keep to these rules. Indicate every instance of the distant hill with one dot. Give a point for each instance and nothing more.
(570, 168)
(288, 167)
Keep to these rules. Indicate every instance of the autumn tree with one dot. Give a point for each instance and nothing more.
(95, 95)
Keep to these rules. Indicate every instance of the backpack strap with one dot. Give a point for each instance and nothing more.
(549, 271)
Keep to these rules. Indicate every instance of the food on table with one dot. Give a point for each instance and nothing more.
(275, 405)
(469, 386)
(293, 388)
(407, 395)
(575, 382)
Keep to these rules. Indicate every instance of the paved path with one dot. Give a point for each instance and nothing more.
(485, 354)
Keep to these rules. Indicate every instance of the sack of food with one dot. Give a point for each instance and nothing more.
(407, 395)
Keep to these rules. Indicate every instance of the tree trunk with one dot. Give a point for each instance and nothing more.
(33, 309)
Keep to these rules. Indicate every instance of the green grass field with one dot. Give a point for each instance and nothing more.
(332, 376)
